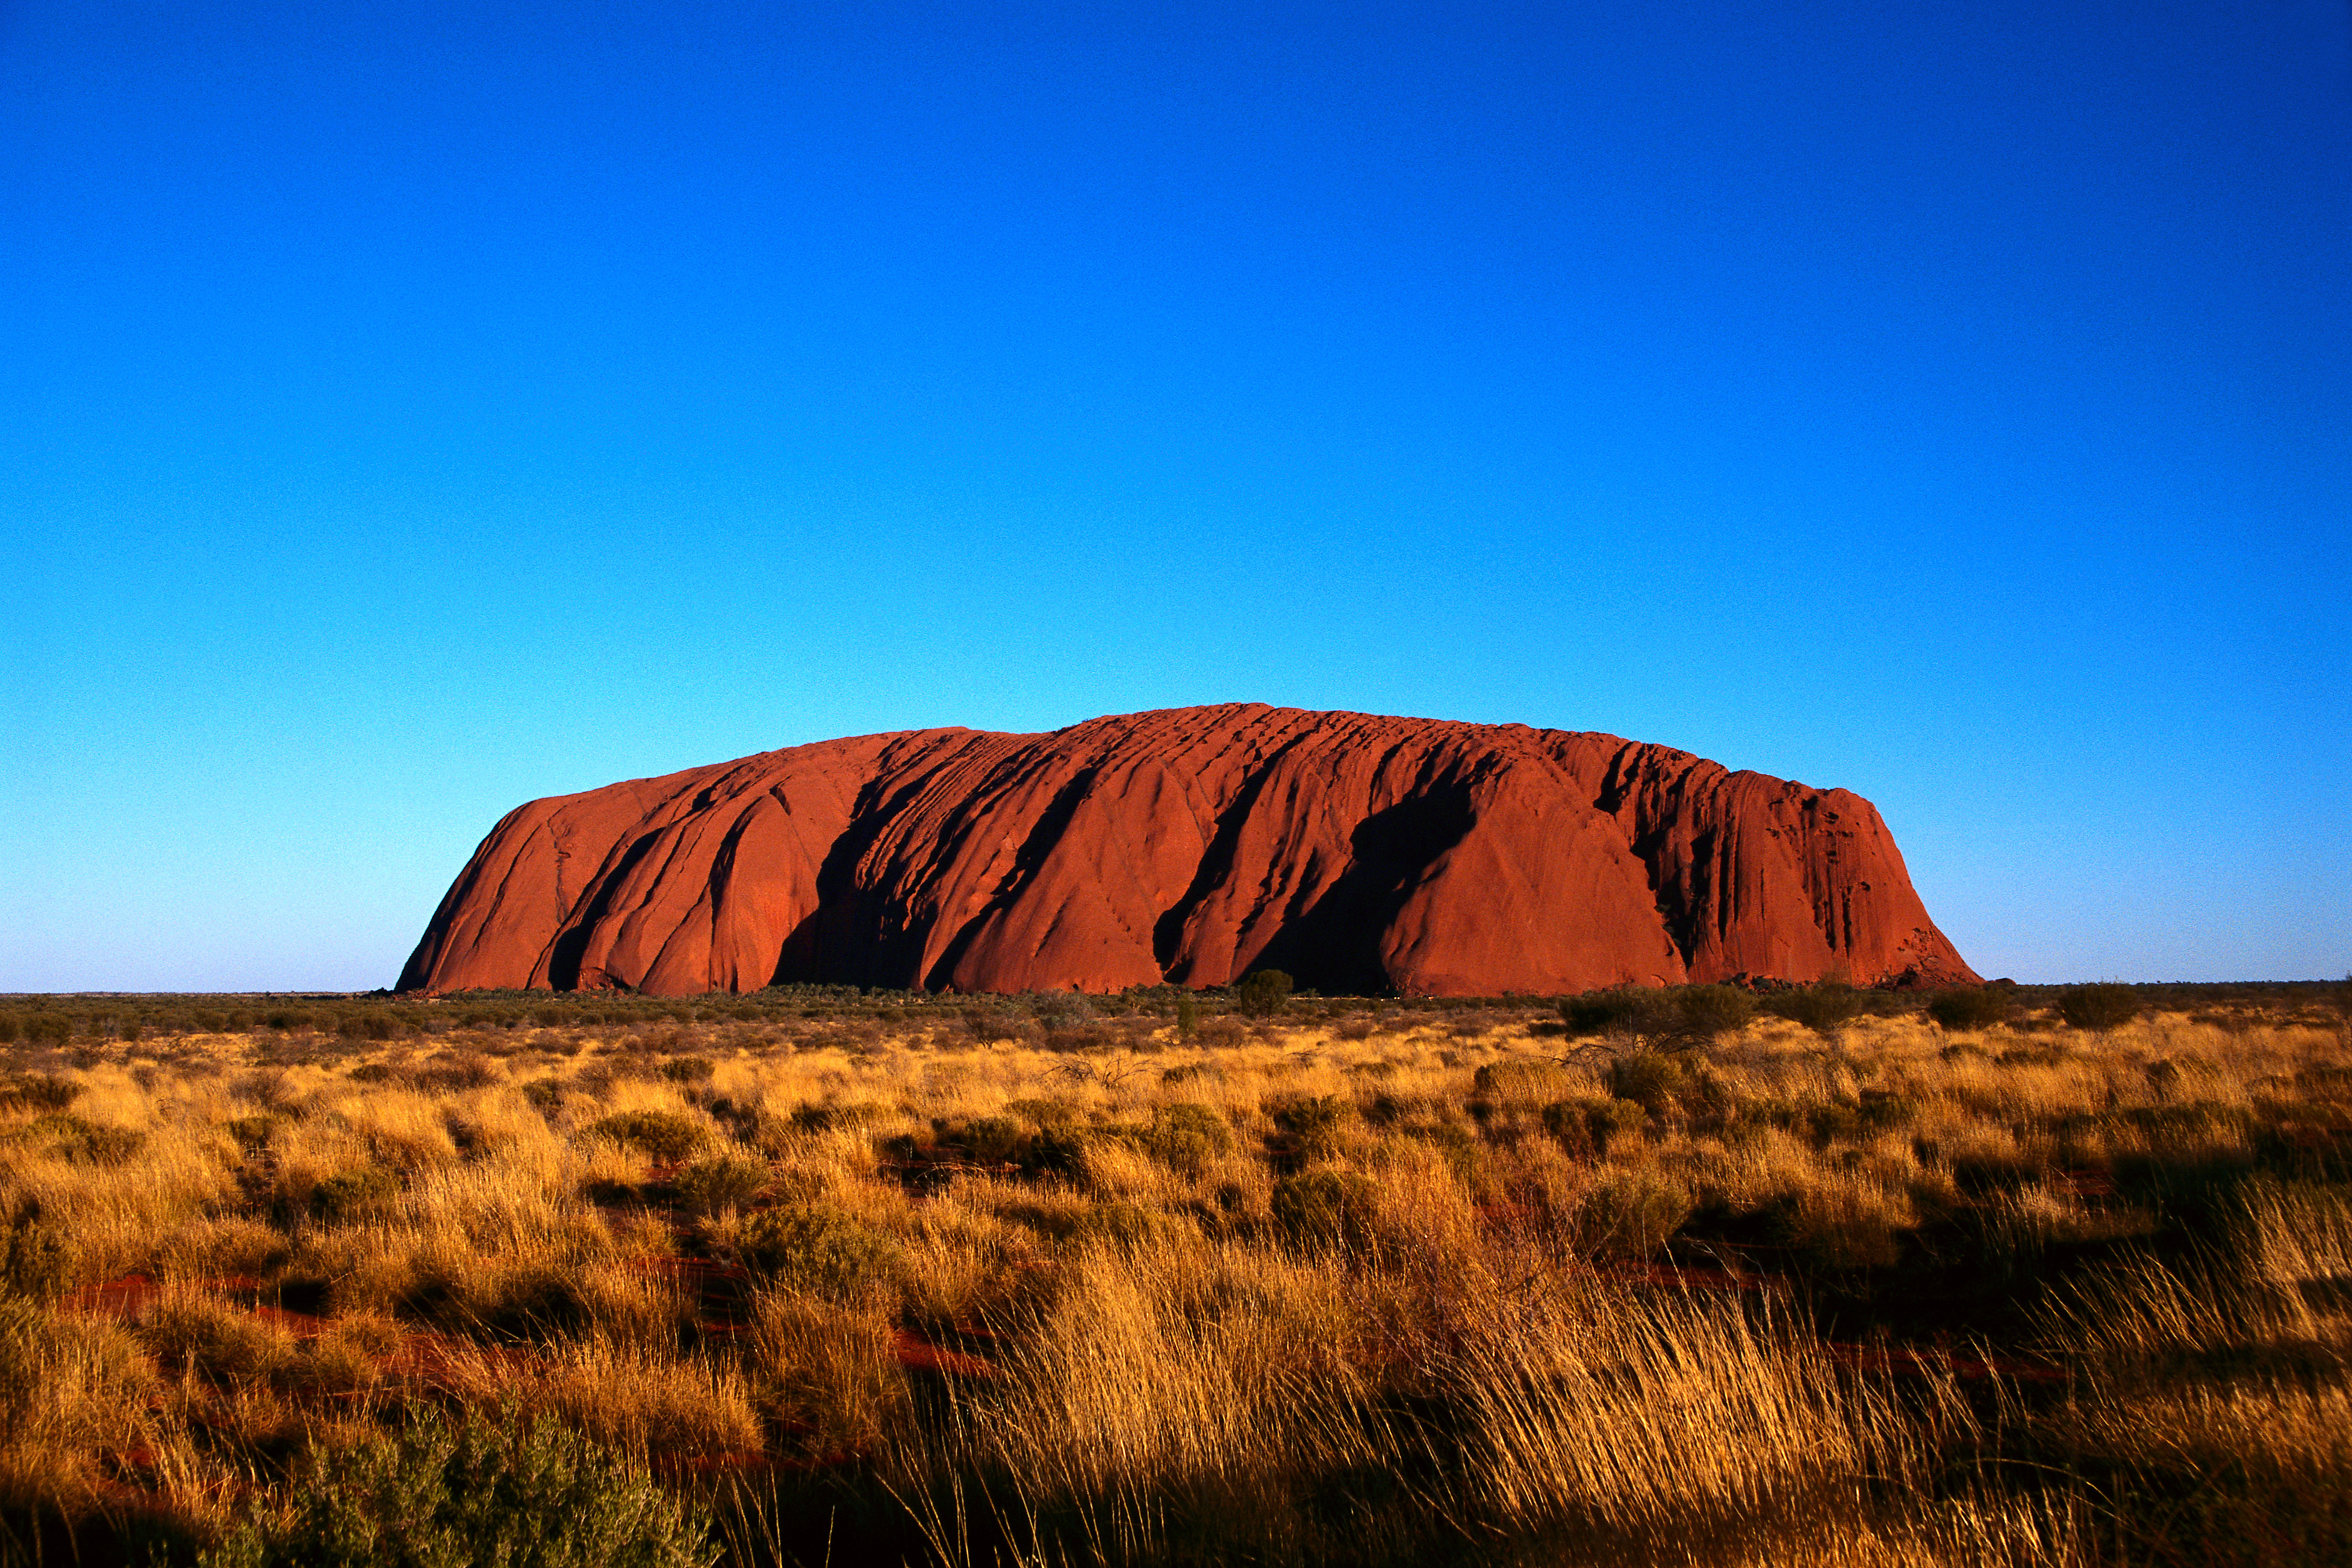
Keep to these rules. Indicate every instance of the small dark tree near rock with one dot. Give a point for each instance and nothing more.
(1262, 994)
(2099, 1008)
(1824, 1007)
(1619, 1010)
(1968, 1008)
(1707, 1012)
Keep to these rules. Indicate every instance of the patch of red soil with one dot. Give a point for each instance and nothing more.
(919, 1354)
(123, 1297)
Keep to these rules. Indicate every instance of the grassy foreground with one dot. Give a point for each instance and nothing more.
(870, 1280)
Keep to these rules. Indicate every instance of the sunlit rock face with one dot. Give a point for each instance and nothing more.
(1359, 854)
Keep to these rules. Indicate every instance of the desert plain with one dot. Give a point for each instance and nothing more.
(1695, 1275)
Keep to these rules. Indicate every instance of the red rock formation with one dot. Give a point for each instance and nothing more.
(1191, 846)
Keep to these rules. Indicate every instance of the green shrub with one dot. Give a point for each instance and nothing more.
(1457, 1143)
(369, 1024)
(1262, 994)
(445, 1494)
(1631, 1211)
(665, 1134)
(1119, 1223)
(1840, 1229)
(227, 1347)
(1045, 1110)
(1570, 1124)
(348, 1195)
(990, 1140)
(1187, 1138)
(250, 1131)
(1967, 1007)
(723, 1181)
(995, 1024)
(34, 1261)
(820, 1251)
(84, 1143)
(1323, 1206)
(1834, 1119)
(1587, 1125)
(1057, 1150)
(1705, 1012)
(1314, 1123)
(2098, 1008)
(688, 1069)
(1619, 1010)
(41, 1091)
(1648, 1078)
(1188, 1017)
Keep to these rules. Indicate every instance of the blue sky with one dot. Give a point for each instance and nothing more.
(409, 410)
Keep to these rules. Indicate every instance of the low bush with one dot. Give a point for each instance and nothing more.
(1323, 1207)
(1843, 1226)
(1187, 1138)
(214, 1342)
(1313, 1123)
(350, 1195)
(34, 1261)
(371, 1023)
(2098, 1008)
(1262, 994)
(990, 1140)
(1825, 1007)
(250, 1131)
(1219, 1033)
(1618, 1011)
(444, 1493)
(995, 1024)
(1709, 1012)
(84, 1143)
(663, 1134)
(1650, 1079)
(1586, 1126)
(1631, 1211)
(41, 1091)
(1967, 1007)
(1047, 1110)
(722, 1182)
(820, 1251)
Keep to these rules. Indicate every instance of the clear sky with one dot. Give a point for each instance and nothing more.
(410, 409)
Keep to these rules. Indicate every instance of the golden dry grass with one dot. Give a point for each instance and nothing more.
(1388, 1286)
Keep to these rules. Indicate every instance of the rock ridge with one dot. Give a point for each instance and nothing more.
(1359, 853)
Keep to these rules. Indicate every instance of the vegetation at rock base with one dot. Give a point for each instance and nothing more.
(1704, 1276)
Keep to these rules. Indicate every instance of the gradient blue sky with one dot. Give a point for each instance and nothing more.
(407, 410)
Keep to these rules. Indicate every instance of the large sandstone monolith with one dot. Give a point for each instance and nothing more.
(1359, 854)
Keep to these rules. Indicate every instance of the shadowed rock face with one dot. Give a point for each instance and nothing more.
(1191, 846)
